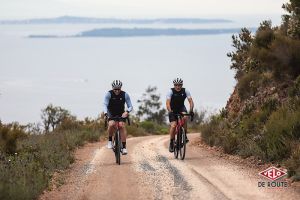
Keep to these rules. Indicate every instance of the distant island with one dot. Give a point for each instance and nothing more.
(89, 20)
(140, 32)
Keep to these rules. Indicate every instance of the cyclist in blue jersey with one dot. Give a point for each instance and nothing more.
(114, 106)
(175, 105)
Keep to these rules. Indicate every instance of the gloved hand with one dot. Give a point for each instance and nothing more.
(192, 113)
(125, 114)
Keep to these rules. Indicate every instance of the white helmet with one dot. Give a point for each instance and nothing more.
(116, 84)
(178, 81)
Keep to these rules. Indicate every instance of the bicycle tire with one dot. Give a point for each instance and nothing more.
(182, 146)
(115, 146)
(176, 149)
(118, 147)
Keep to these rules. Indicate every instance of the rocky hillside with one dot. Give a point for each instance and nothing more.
(262, 116)
(277, 92)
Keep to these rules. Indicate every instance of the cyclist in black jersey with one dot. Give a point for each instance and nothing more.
(175, 105)
(114, 106)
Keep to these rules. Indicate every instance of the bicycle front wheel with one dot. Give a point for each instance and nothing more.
(118, 147)
(176, 145)
(182, 143)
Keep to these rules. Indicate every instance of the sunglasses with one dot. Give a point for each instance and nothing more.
(117, 89)
(178, 85)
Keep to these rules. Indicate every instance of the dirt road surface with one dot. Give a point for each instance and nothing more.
(149, 171)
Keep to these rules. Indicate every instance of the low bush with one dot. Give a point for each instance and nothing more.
(213, 130)
(271, 134)
(248, 84)
(281, 129)
(135, 130)
(148, 126)
(26, 169)
(9, 134)
(293, 163)
(151, 127)
(295, 89)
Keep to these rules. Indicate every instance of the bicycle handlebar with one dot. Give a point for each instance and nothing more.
(184, 114)
(118, 119)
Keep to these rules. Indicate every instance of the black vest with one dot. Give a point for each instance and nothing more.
(116, 105)
(177, 99)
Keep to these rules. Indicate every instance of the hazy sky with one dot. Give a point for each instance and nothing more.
(14, 9)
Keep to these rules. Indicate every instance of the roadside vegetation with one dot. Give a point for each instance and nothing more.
(262, 116)
(28, 160)
(31, 154)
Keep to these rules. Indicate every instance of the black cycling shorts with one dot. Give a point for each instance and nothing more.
(112, 116)
(172, 117)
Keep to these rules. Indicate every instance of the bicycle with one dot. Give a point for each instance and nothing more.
(117, 143)
(180, 136)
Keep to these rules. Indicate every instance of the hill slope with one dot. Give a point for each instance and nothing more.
(262, 116)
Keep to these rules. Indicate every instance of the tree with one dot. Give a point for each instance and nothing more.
(34, 128)
(53, 116)
(150, 106)
(239, 58)
(292, 20)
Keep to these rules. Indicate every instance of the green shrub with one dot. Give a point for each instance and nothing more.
(293, 163)
(250, 124)
(213, 131)
(285, 58)
(266, 78)
(22, 177)
(69, 123)
(26, 173)
(248, 84)
(264, 128)
(249, 131)
(269, 106)
(91, 136)
(264, 35)
(280, 130)
(9, 134)
(134, 130)
(249, 108)
(149, 126)
(229, 142)
(295, 89)
(163, 131)
(250, 146)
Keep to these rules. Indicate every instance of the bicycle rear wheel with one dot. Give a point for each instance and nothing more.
(117, 147)
(182, 146)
